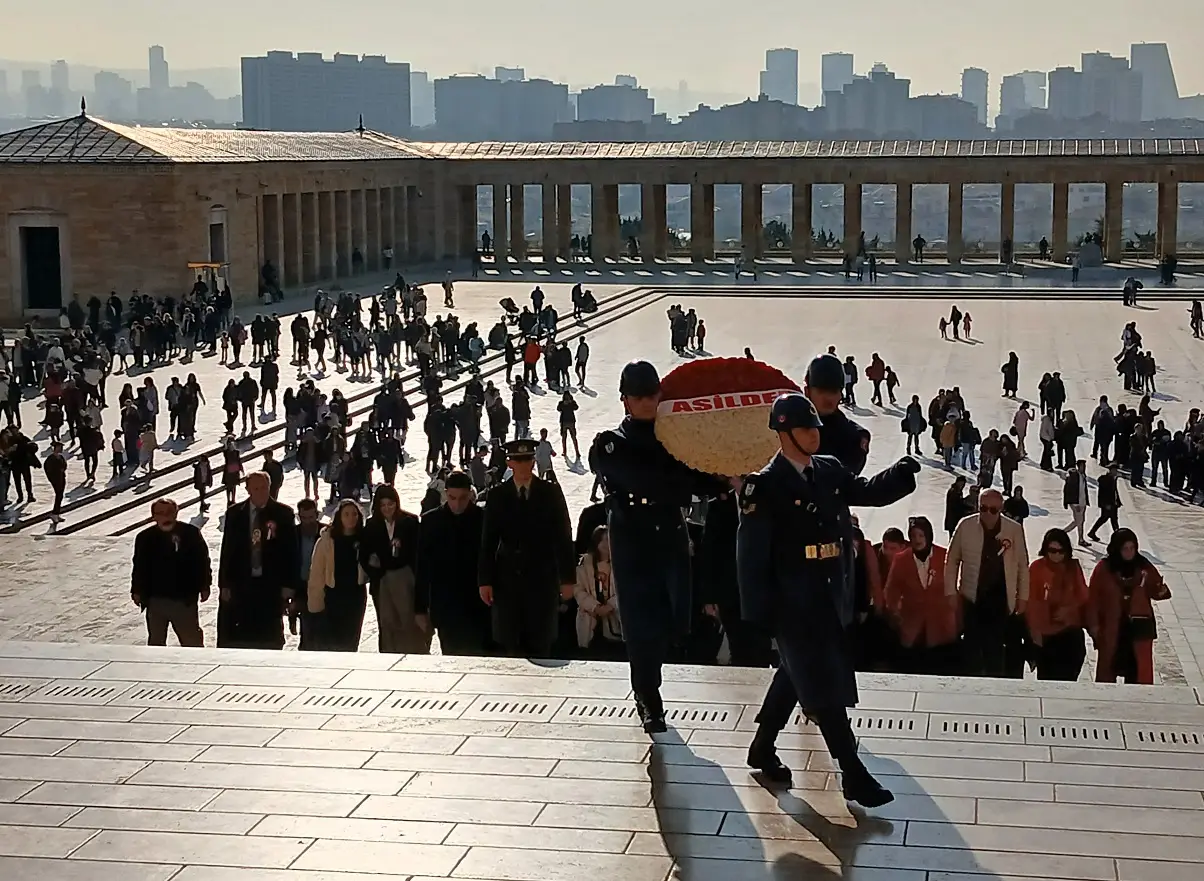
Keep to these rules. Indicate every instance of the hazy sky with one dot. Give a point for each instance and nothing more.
(712, 44)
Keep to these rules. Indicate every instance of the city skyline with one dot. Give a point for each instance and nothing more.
(1033, 36)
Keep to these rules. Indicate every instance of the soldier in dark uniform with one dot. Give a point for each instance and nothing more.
(794, 556)
(646, 490)
(527, 561)
(749, 644)
(840, 436)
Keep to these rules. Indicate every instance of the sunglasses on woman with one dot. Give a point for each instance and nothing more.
(1054, 551)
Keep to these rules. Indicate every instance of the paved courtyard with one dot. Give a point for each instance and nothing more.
(42, 595)
(130, 764)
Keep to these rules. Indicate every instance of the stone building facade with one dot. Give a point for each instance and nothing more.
(90, 206)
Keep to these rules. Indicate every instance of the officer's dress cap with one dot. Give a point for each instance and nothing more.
(792, 411)
(826, 373)
(639, 379)
(520, 449)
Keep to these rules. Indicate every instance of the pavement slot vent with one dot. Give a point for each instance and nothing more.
(692, 716)
(990, 730)
(1105, 736)
(600, 713)
(1170, 739)
(15, 689)
(534, 708)
(91, 694)
(170, 696)
(338, 701)
(421, 706)
(885, 725)
(424, 705)
(252, 698)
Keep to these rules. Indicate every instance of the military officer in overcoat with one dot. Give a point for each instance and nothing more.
(646, 491)
(840, 436)
(794, 552)
(527, 561)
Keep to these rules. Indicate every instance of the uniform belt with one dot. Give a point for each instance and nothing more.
(634, 500)
(823, 551)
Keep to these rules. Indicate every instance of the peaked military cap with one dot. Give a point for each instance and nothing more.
(519, 449)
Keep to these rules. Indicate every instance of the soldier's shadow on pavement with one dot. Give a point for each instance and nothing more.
(819, 849)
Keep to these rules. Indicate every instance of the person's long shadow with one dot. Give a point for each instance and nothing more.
(724, 831)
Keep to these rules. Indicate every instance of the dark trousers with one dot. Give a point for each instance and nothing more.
(750, 646)
(1060, 657)
(341, 623)
(993, 644)
(461, 639)
(924, 660)
(1105, 515)
(655, 609)
(526, 618)
(1166, 471)
(1101, 447)
(183, 617)
(251, 619)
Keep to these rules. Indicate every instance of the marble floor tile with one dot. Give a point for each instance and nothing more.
(243, 851)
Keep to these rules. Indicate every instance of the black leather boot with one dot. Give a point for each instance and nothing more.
(859, 785)
(652, 714)
(763, 756)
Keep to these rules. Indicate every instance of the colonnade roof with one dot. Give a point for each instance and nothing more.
(85, 139)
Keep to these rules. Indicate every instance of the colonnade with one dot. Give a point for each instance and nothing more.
(509, 213)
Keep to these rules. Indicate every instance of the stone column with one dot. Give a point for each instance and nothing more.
(702, 222)
(1007, 217)
(416, 233)
(564, 221)
(273, 232)
(467, 217)
(372, 240)
(954, 235)
(446, 220)
(660, 217)
(359, 225)
(328, 246)
(800, 222)
(342, 231)
(654, 231)
(1168, 218)
(852, 217)
(751, 208)
(903, 234)
(290, 225)
(309, 238)
(604, 209)
(548, 223)
(401, 235)
(518, 236)
(501, 238)
(1061, 222)
(1114, 219)
(386, 223)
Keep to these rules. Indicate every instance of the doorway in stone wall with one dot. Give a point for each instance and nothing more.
(41, 267)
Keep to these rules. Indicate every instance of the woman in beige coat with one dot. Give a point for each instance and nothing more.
(337, 593)
(599, 634)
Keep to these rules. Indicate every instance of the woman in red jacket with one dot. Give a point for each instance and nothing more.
(1057, 600)
(927, 623)
(1120, 611)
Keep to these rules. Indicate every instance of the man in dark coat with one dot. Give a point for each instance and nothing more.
(794, 553)
(527, 562)
(839, 435)
(258, 569)
(449, 549)
(1108, 498)
(646, 490)
(172, 574)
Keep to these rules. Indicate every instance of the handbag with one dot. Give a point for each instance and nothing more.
(1142, 627)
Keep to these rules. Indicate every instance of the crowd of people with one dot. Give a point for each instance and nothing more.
(978, 605)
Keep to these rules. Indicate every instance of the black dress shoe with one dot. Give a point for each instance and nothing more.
(763, 757)
(865, 791)
(652, 718)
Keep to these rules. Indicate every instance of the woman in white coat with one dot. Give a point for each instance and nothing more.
(599, 634)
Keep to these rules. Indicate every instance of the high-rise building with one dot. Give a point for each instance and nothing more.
(1065, 93)
(113, 95)
(1013, 96)
(1034, 87)
(836, 72)
(60, 89)
(1159, 92)
(1105, 87)
(975, 89)
(160, 74)
(617, 103)
(422, 99)
(509, 74)
(475, 108)
(307, 93)
(779, 79)
(873, 106)
(6, 104)
(626, 79)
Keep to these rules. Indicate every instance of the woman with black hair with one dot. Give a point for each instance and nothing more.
(1120, 611)
(928, 622)
(389, 554)
(1057, 600)
(336, 594)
